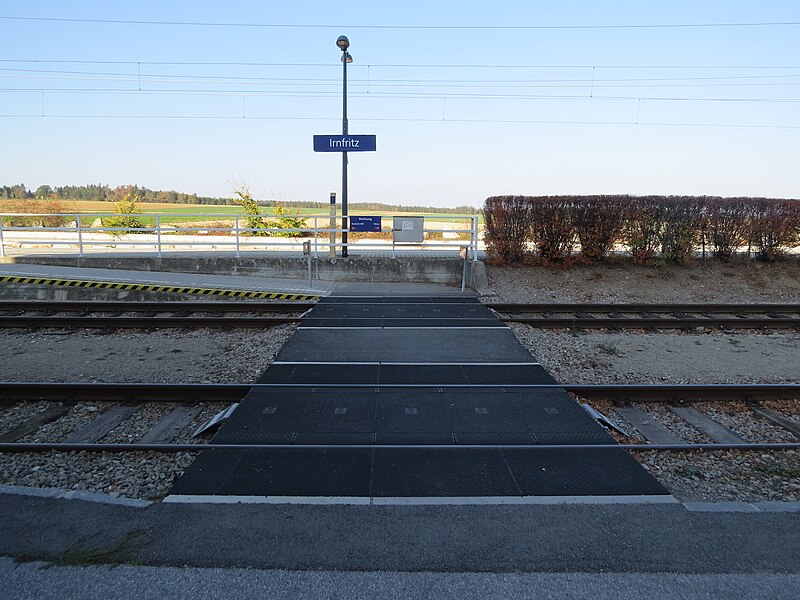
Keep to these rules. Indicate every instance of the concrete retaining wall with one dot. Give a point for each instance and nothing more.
(385, 269)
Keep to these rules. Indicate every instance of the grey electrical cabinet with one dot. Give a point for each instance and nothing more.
(408, 229)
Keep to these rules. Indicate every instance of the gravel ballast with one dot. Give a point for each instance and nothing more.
(240, 356)
(123, 356)
(673, 357)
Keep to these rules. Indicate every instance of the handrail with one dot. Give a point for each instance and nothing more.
(185, 234)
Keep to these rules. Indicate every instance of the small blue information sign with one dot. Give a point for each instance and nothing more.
(345, 143)
(365, 223)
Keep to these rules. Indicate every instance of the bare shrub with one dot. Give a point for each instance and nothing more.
(51, 206)
(508, 226)
(553, 227)
(597, 221)
(773, 227)
(642, 227)
(681, 221)
(726, 225)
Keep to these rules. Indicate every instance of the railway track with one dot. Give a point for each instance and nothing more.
(149, 315)
(651, 316)
(631, 402)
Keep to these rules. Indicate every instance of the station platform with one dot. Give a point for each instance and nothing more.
(209, 284)
(372, 401)
(160, 281)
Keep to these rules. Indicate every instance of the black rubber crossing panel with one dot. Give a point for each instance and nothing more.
(264, 420)
(361, 323)
(405, 374)
(321, 373)
(411, 439)
(300, 472)
(407, 345)
(399, 300)
(442, 472)
(422, 374)
(415, 472)
(401, 311)
(365, 416)
(577, 472)
(208, 472)
(340, 414)
(400, 414)
(277, 373)
(477, 438)
(484, 415)
(569, 438)
(449, 322)
(552, 411)
(334, 439)
(508, 375)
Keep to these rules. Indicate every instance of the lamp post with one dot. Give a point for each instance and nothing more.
(343, 43)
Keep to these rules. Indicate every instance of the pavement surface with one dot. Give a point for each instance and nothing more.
(200, 280)
(32, 581)
(559, 538)
(347, 551)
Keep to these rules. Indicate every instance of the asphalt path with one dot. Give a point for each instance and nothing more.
(529, 538)
(34, 581)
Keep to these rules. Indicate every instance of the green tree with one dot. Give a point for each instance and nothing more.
(127, 214)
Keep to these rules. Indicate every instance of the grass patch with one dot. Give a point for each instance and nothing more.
(77, 555)
(691, 471)
(609, 349)
(778, 471)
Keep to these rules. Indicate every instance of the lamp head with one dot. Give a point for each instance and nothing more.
(346, 58)
(343, 42)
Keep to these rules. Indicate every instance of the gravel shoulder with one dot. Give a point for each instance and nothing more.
(738, 281)
(710, 356)
(160, 356)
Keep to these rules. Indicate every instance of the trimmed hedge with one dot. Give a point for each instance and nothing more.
(671, 228)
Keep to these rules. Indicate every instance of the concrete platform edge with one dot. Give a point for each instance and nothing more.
(18, 490)
(425, 501)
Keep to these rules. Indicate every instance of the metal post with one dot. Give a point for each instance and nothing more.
(464, 253)
(332, 227)
(2, 242)
(307, 254)
(158, 232)
(236, 227)
(475, 239)
(344, 155)
(316, 236)
(80, 234)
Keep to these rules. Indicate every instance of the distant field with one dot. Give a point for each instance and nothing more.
(201, 210)
(203, 213)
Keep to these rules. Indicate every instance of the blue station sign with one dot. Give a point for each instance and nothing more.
(344, 143)
(365, 223)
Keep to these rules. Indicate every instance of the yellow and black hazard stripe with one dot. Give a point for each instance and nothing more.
(145, 287)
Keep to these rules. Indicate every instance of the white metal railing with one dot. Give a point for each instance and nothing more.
(236, 236)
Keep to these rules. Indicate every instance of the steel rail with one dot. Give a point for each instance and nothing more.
(223, 392)
(171, 306)
(639, 307)
(742, 315)
(508, 308)
(142, 322)
(65, 447)
(115, 392)
(648, 322)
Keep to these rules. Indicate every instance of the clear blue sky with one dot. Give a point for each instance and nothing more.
(526, 111)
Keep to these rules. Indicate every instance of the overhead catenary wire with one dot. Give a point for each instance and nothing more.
(399, 95)
(387, 65)
(402, 120)
(405, 27)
